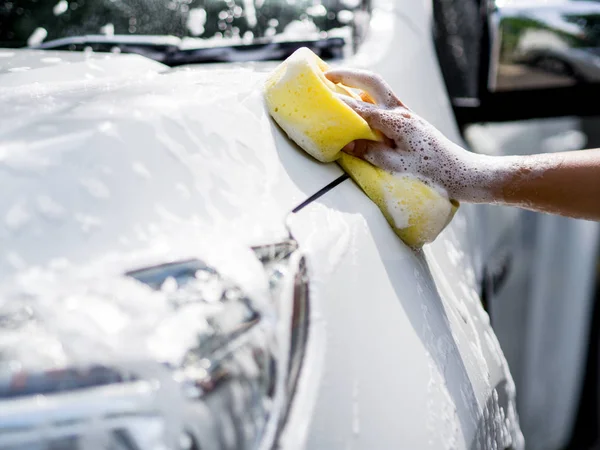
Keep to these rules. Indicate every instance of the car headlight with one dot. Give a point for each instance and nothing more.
(232, 389)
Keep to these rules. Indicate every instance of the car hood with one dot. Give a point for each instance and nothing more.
(118, 154)
(114, 163)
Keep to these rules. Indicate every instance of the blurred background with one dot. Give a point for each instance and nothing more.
(555, 362)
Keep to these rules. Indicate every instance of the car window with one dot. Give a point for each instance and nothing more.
(31, 22)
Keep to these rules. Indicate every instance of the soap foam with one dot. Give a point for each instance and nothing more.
(397, 210)
(424, 151)
(300, 138)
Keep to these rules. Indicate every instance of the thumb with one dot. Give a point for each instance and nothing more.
(380, 155)
(363, 147)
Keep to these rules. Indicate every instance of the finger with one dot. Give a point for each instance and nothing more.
(375, 117)
(361, 147)
(379, 154)
(386, 158)
(370, 82)
(365, 97)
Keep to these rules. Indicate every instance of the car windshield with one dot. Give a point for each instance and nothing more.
(203, 22)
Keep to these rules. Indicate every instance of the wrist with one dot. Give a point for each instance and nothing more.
(484, 178)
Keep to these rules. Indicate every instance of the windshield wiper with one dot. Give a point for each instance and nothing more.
(173, 51)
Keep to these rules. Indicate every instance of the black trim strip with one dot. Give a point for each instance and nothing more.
(320, 193)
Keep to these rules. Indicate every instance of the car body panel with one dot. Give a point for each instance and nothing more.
(436, 299)
(398, 318)
(136, 159)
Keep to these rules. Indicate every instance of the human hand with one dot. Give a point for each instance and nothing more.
(412, 145)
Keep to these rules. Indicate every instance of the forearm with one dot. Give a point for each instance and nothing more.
(561, 183)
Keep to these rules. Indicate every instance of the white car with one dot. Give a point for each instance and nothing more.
(176, 274)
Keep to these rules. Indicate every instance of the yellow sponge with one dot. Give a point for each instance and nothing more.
(303, 103)
(417, 212)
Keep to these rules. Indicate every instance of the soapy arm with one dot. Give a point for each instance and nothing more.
(561, 183)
